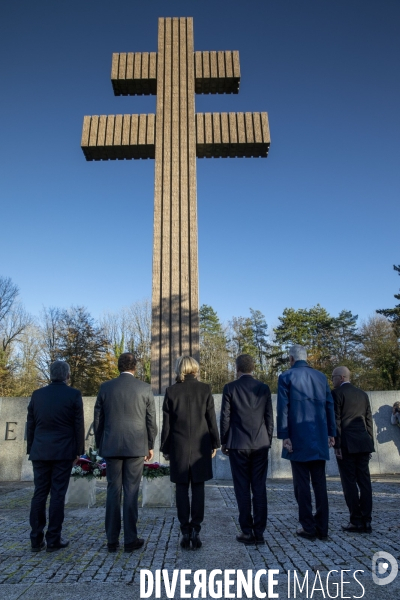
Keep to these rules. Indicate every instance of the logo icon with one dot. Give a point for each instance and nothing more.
(380, 565)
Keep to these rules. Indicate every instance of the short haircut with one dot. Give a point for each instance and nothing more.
(343, 372)
(127, 362)
(298, 352)
(59, 370)
(186, 365)
(245, 363)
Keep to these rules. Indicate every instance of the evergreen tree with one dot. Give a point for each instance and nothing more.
(346, 340)
(214, 358)
(393, 314)
(260, 338)
(312, 328)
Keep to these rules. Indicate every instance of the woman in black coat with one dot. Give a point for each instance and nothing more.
(189, 440)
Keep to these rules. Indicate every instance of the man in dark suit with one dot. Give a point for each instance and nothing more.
(306, 424)
(125, 429)
(55, 439)
(354, 444)
(247, 425)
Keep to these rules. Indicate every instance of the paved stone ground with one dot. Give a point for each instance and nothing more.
(85, 568)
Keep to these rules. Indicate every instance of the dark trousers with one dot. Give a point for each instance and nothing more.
(190, 514)
(356, 483)
(50, 476)
(123, 473)
(302, 472)
(249, 473)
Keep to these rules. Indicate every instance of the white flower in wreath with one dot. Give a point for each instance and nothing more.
(78, 470)
(96, 472)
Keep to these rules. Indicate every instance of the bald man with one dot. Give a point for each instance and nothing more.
(353, 446)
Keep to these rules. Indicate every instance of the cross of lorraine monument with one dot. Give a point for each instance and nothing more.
(175, 136)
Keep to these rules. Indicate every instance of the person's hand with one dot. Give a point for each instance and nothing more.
(338, 453)
(331, 441)
(76, 460)
(224, 450)
(213, 453)
(149, 456)
(166, 456)
(287, 444)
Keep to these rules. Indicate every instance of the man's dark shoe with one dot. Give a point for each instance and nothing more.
(58, 546)
(322, 536)
(113, 547)
(185, 541)
(259, 537)
(195, 540)
(368, 527)
(259, 540)
(246, 538)
(306, 534)
(38, 548)
(138, 543)
(350, 528)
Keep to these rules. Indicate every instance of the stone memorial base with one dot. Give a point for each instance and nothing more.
(81, 492)
(15, 465)
(157, 492)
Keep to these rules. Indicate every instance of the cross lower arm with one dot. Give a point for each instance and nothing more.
(218, 135)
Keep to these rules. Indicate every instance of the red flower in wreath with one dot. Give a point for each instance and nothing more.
(84, 463)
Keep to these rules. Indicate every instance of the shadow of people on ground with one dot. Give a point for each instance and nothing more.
(385, 431)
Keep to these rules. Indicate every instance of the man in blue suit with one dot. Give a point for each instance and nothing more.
(306, 424)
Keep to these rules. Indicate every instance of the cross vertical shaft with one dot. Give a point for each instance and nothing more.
(175, 297)
(174, 137)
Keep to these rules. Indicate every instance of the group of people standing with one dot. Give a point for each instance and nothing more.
(310, 420)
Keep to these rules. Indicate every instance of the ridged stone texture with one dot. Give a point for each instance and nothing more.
(174, 137)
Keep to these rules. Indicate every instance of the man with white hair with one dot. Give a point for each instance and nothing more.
(306, 424)
(353, 446)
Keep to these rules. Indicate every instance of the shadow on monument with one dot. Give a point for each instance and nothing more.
(175, 332)
(385, 431)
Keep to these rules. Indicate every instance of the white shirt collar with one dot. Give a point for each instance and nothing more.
(127, 373)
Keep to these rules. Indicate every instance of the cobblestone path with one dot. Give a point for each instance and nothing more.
(74, 571)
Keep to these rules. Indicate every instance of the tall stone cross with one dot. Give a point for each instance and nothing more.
(175, 136)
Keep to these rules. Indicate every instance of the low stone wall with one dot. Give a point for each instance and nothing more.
(15, 466)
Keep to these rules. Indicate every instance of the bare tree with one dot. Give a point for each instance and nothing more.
(129, 330)
(380, 349)
(8, 294)
(49, 333)
(13, 325)
(27, 376)
(14, 320)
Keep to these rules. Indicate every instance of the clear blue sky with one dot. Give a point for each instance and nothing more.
(316, 222)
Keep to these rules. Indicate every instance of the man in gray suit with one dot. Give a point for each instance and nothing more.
(125, 429)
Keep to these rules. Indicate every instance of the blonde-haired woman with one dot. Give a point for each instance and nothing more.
(189, 439)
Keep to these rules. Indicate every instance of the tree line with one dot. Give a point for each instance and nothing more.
(28, 345)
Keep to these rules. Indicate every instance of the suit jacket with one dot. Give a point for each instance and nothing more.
(353, 419)
(190, 431)
(55, 427)
(247, 421)
(305, 413)
(125, 417)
